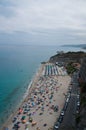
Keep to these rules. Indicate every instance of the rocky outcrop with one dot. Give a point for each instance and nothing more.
(68, 57)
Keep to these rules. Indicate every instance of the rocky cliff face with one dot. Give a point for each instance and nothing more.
(68, 57)
(82, 81)
(83, 70)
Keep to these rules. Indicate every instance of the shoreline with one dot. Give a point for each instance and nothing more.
(24, 98)
(32, 86)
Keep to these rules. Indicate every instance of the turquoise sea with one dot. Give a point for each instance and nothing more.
(18, 65)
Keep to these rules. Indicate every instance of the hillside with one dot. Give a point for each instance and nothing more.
(68, 57)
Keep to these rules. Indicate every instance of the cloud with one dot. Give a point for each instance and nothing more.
(6, 3)
(44, 17)
(6, 12)
(48, 37)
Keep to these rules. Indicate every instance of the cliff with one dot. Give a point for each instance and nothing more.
(82, 81)
(68, 57)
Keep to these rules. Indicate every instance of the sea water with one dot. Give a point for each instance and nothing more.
(18, 65)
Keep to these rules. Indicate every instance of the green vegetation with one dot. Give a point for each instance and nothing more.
(70, 68)
(83, 87)
(83, 94)
(68, 57)
(83, 101)
(78, 119)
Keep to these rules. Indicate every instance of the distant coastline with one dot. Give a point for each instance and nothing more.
(83, 46)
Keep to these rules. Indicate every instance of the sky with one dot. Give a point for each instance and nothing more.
(43, 22)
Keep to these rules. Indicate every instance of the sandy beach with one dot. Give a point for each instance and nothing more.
(44, 101)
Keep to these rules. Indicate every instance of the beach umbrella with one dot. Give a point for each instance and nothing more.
(27, 123)
(45, 125)
(34, 123)
(23, 121)
(20, 111)
(27, 129)
(23, 117)
(30, 119)
(33, 104)
(37, 128)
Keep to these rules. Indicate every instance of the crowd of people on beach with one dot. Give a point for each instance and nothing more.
(39, 105)
(40, 98)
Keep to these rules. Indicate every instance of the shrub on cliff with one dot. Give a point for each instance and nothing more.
(70, 68)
